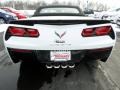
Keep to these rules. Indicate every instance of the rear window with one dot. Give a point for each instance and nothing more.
(59, 10)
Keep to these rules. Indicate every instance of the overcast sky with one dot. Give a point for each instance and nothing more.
(110, 3)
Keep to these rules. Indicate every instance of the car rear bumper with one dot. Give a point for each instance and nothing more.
(43, 56)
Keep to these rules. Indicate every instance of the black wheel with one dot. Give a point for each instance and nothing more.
(2, 21)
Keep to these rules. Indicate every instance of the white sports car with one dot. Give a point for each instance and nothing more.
(59, 36)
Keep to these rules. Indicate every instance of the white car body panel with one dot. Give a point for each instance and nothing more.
(73, 38)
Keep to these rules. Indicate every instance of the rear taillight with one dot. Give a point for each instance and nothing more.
(88, 32)
(17, 31)
(97, 31)
(23, 32)
(102, 31)
(33, 32)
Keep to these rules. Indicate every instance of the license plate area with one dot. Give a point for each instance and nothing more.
(60, 56)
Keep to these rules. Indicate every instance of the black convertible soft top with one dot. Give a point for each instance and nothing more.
(37, 12)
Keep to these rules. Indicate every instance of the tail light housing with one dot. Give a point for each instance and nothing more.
(33, 32)
(102, 31)
(97, 31)
(88, 32)
(22, 32)
(17, 31)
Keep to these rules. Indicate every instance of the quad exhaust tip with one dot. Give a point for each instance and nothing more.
(64, 66)
(56, 66)
(49, 66)
(72, 66)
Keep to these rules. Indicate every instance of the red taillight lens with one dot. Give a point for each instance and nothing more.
(17, 31)
(88, 32)
(97, 31)
(23, 32)
(33, 32)
(102, 31)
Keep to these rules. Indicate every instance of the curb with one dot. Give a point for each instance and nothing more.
(115, 85)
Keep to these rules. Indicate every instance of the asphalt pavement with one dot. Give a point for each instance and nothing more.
(27, 76)
(112, 66)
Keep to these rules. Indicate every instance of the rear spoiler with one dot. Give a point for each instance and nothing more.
(59, 22)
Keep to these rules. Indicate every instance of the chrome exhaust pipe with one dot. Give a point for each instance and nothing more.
(56, 66)
(71, 66)
(64, 66)
(49, 66)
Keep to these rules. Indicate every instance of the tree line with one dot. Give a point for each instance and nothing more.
(20, 5)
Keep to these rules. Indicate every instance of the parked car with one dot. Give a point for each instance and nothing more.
(59, 37)
(111, 15)
(118, 21)
(28, 13)
(88, 11)
(6, 17)
(19, 14)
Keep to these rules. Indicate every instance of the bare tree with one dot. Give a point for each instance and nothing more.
(28, 5)
(55, 2)
(101, 7)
